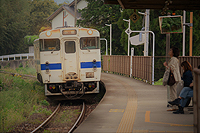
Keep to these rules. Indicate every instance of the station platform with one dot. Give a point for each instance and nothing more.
(132, 106)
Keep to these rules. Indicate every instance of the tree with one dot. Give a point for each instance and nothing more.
(96, 15)
(123, 25)
(40, 10)
(13, 25)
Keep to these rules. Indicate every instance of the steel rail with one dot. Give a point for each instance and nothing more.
(79, 118)
(58, 107)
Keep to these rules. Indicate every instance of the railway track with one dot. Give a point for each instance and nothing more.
(78, 121)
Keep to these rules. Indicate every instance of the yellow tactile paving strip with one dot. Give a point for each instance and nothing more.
(126, 124)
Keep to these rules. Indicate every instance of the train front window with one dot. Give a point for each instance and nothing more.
(89, 43)
(49, 44)
(70, 47)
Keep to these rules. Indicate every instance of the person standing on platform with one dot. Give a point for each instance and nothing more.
(173, 65)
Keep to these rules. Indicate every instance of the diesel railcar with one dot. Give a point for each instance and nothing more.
(68, 61)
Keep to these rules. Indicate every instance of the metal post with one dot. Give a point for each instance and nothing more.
(131, 66)
(110, 39)
(191, 28)
(129, 26)
(153, 51)
(167, 45)
(146, 46)
(106, 45)
(184, 17)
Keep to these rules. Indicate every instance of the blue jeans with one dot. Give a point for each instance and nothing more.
(186, 93)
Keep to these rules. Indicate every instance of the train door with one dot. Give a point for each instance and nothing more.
(70, 60)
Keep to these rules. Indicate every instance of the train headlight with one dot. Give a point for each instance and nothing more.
(47, 67)
(94, 65)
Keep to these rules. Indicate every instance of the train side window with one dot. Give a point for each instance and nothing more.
(49, 44)
(89, 43)
(70, 47)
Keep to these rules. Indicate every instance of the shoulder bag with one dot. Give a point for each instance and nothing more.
(171, 80)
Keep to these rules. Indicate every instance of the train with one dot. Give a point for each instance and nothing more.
(68, 62)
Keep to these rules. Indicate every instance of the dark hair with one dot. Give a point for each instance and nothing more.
(199, 67)
(175, 51)
(186, 65)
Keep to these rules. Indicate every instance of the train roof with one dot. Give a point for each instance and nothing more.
(69, 32)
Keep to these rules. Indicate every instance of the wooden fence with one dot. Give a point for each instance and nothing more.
(142, 65)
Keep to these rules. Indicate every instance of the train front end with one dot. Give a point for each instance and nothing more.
(68, 62)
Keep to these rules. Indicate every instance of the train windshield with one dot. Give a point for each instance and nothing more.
(89, 43)
(49, 44)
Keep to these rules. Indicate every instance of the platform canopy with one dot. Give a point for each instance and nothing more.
(157, 4)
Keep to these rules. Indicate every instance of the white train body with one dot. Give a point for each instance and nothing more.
(68, 61)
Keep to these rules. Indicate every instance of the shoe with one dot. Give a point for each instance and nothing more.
(172, 109)
(179, 111)
(175, 102)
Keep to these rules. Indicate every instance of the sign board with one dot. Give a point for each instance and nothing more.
(171, 24)
(135, 40)
(127, 31)
(134, 17)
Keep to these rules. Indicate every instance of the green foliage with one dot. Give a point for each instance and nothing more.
(44, 102)
(20, 65)
(13, 26)
(159, 82)
(28, 40)
(96, 15)
(41, 110)
(123, 25)
(17, 99)
(40, 10)
(27, 70)
(19, 18)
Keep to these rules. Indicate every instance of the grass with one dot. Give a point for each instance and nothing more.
(19, 98)
(21, 70)
(159, 82)
(67, 116)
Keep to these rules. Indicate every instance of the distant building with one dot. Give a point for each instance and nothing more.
(65, 15)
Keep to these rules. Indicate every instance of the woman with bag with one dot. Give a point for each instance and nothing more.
(174, 75)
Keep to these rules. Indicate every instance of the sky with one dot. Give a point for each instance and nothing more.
(61, 1)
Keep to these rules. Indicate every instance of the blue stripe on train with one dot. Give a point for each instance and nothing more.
(53, 66)
(91, 64)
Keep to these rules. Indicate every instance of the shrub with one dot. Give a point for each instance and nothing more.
(44, 102)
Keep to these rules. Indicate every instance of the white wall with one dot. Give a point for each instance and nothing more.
(70, 19)
(58, 20)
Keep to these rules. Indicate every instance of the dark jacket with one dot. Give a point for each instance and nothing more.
(187, 78)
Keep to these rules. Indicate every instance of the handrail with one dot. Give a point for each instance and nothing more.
(16, 55)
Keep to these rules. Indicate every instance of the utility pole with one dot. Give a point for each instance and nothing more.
(75, 8)
(146, 44)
